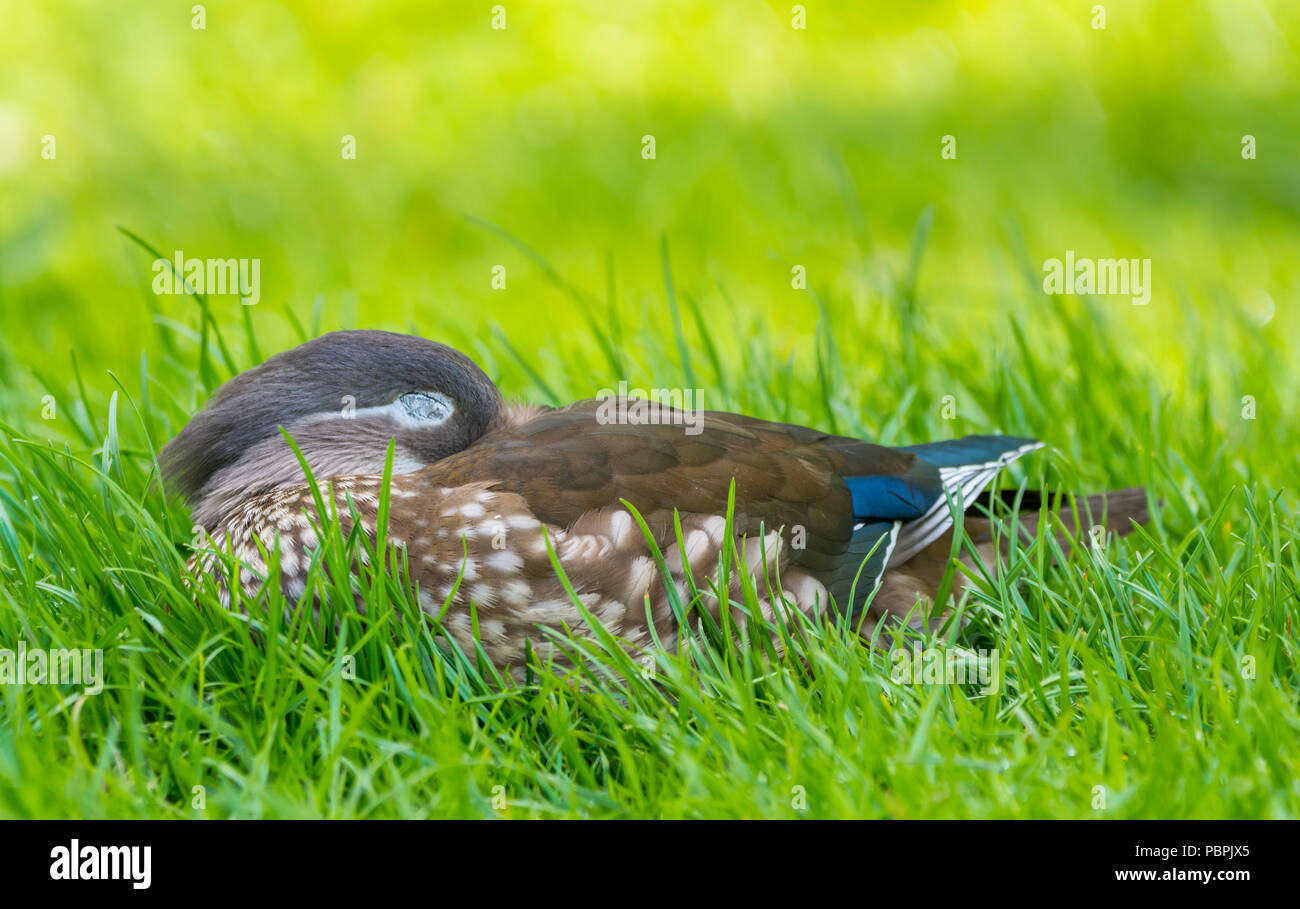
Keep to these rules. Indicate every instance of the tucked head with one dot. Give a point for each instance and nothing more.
(342, 397)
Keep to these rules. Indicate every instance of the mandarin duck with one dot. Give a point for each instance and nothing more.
(821, 521)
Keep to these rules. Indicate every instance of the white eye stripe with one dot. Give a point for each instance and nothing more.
(416, 410)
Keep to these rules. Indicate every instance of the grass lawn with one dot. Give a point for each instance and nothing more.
(1152, 677)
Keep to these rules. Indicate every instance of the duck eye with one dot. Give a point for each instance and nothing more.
(426, 406)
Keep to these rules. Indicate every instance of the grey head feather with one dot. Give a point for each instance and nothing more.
(331, 395)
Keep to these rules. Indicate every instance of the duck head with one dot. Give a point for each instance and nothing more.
(342, 397)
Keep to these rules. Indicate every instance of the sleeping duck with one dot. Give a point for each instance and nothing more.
(823, 523)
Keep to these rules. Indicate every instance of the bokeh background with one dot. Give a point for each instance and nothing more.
(924, 317)
(775, 146)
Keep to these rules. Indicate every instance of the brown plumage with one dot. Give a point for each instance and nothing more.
(479, 485)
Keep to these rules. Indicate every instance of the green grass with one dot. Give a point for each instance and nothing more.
(1162, 668)
(1164, 672)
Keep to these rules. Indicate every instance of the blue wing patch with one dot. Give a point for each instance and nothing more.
(894, 497)
(908, 496)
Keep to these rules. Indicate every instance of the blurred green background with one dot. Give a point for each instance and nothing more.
(774, 146)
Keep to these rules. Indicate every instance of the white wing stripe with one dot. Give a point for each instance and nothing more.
(966, 481)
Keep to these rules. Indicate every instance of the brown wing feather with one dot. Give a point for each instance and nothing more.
(565, 463)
